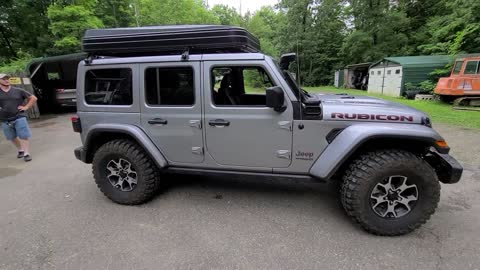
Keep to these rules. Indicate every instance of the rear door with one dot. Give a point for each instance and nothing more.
(171, 109)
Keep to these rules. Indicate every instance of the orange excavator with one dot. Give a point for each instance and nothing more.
(463, 85)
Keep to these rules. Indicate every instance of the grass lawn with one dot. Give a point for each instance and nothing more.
(438, 111)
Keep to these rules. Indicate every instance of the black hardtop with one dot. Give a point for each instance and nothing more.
(169, 39)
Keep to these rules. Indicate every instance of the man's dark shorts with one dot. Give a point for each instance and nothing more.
(17, 128)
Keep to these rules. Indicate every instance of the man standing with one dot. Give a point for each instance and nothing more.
(13, 115)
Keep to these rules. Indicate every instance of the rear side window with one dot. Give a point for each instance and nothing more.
(458, 67)
(108, 86)
(169, 86)
(471, 67)
(397, 71)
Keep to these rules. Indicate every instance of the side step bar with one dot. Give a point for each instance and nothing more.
(221, 173)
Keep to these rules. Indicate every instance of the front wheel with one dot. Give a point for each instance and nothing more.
(125, 173)
(390, 192)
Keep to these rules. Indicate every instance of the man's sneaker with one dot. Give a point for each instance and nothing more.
(27, 158)
(20, 154)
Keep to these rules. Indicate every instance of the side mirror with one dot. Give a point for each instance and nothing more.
(275, 99)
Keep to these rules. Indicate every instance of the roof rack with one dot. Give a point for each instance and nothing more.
(168, 40)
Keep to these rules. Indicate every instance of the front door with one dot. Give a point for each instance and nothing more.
(240, 130)
(171, 110)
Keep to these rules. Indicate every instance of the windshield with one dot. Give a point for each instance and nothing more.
(287, 75)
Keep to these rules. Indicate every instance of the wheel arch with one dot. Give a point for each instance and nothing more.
(357, 139)
(100, 134)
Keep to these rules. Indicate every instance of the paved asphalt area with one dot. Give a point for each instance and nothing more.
(52, 216)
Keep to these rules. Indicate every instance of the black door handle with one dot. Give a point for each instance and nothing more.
(157, 121)
(219, 123)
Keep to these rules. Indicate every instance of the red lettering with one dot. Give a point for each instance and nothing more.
(337, 115)
(393, 117)
(353, 116)
(406, 118)
(363, 116)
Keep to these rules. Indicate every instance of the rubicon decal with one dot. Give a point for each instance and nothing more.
(376, 117)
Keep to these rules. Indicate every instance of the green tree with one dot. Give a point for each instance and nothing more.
(153, 12)
(226, 15)
(115, 13)
(264, 25)
(68, 24)
(23, 27)
(380, 28)
(456, 31)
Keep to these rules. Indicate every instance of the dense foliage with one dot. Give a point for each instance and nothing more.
(327, 34)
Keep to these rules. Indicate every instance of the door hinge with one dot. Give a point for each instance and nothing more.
(197, 150)
(285, 125)
(285, 154)
(196, 124)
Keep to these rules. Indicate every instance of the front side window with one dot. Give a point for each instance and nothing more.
(471, 67)
(169, 86)
(458, 67)
(111, 86)
(240, 86)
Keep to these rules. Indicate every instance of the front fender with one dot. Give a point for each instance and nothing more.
(133, 131)
(352, 137)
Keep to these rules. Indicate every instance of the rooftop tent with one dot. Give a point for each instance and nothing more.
(172, 39)
(389, 75)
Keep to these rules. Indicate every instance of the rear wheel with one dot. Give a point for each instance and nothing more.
(390, 192)
(125, 173)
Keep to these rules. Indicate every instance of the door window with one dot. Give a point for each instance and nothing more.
(239, 86)
(169, 86)
(471, 67)
(458, 67)
(108, 86)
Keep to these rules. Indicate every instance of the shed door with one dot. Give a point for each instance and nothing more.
(375, 80)
(392, 85)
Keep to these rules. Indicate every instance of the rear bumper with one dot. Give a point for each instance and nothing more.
(448, 169)
(81, 154)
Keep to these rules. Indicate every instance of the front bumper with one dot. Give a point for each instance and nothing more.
(449, 171)
(81, 154)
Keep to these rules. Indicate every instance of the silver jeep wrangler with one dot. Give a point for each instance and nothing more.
(244, 114)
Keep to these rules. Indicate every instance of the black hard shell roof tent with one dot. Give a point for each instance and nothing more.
(168, 40)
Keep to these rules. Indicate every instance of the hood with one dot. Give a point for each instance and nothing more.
(363, 108)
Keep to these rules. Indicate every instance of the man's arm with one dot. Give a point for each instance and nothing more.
(31, 101)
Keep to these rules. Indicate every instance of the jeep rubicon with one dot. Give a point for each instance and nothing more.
(182, 100)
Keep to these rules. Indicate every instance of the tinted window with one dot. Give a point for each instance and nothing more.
(240, 86)
(389, 72)
(108, 86)
(471, 67)
(169, 86)
(397, 71)
(458, 67)
(379, 72)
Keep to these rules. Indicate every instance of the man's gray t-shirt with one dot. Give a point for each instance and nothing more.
(9, 102)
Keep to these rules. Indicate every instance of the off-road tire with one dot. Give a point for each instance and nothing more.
(148, 176)
(368, 170)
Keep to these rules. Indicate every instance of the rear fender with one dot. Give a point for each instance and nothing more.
(131, 131)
